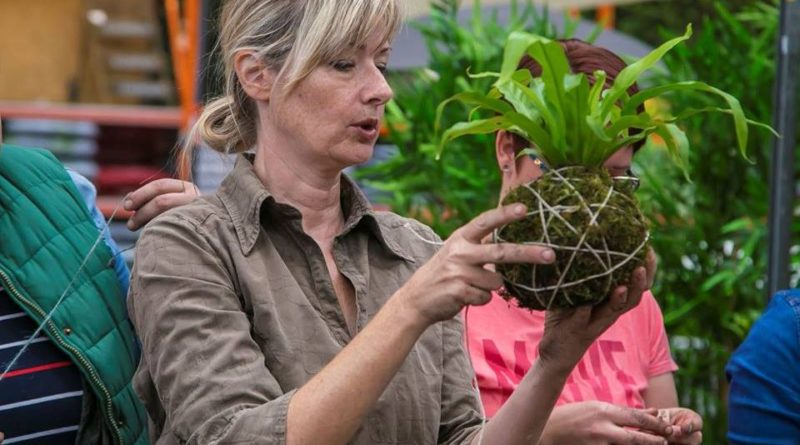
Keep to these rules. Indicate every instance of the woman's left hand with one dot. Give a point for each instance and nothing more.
(687, 425)
(568, 333)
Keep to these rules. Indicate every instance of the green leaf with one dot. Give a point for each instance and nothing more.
(630, 74)
(471, 98)
(481, 126)
(516, 46)
(734, 107)
(677, 144)
(737, 225)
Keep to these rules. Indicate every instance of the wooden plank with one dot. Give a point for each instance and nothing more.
(39, 48)
(120, 115)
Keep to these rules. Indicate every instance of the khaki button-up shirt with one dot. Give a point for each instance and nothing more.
(236, 310)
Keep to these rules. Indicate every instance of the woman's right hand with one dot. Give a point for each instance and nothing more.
(455, 276)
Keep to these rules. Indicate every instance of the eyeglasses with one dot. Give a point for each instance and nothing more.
(629, 179)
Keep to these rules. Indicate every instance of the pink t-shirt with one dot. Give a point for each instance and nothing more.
(503, 341)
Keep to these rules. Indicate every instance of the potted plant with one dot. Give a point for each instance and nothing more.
(574, 126)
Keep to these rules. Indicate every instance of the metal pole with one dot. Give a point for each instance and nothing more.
(782, 166)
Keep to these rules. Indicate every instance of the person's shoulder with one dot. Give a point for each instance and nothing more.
(774, 337)
(199, 218)
(26, 153)
(782, 315)
(787, 301)
(200, 211)
(15, 159)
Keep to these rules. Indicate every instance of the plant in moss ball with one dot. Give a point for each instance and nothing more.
(574, 125)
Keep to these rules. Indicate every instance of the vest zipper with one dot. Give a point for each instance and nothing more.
(56, 336)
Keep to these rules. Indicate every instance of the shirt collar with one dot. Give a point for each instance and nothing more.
(244, 196)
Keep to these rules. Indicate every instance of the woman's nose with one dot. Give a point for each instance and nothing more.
(378, 90)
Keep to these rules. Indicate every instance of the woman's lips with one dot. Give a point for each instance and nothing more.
(366, 130)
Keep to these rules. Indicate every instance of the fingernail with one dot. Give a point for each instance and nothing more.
(520, 209)
(128, 204)
(548, 255)
(668, 430)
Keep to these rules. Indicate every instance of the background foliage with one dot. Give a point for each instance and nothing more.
(447, 193)
(710, 234)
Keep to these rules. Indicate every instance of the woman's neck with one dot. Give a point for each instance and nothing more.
(317, 195)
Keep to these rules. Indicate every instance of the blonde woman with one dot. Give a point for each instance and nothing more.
(283, 309)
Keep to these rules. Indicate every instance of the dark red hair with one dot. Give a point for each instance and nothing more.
(583, 57)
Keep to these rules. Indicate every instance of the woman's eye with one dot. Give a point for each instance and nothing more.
(381, 67)
(342, 65)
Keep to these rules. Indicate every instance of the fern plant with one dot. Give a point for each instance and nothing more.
(575, 125)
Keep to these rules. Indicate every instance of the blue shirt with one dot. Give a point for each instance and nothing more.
(764, 374)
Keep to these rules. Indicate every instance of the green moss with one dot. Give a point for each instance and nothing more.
(574, 195)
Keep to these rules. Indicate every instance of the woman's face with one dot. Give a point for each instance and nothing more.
(331, 119)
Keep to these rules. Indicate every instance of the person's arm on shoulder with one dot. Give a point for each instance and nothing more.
(156, 197)
(764, 399)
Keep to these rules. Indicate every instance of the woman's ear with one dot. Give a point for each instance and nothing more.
(505, 152)
(254, 75)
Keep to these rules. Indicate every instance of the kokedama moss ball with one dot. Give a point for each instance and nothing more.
(594, 225)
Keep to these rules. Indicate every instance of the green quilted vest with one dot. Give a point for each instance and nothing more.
(46, 233)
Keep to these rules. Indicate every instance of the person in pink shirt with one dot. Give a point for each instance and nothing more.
(626, 374)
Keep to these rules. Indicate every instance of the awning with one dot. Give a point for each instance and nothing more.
(416, 8)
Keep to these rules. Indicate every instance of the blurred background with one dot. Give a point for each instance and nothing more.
(111, 85)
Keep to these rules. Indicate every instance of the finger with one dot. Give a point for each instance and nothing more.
(157, 206)
(475, 230)
(623, 436)
(484, 279)
(695, 438)
(504, 253)
(607, 313)
(636, 288)
(644, 420)
(651, 264)
(472, 296)
(688, 422)
(147, 192)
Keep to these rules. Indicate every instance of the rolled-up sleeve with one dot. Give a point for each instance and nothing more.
(461, 413)
(208, 372)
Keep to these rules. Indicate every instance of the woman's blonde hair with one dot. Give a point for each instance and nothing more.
(292, 37)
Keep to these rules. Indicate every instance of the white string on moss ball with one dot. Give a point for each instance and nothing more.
(546, 213)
